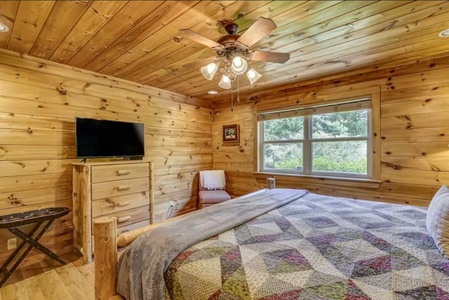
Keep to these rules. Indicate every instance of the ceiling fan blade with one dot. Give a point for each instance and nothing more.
(196, 37)
(260, 28)
(276, 57)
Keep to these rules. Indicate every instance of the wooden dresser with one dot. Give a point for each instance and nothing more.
(121, 189)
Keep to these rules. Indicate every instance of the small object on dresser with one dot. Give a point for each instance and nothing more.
(271, 183)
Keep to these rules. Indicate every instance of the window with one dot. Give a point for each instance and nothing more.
(333, 140)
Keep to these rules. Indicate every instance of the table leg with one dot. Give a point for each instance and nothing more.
(34, 242)
(5, 271)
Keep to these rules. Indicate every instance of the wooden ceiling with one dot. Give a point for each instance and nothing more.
(139, 40)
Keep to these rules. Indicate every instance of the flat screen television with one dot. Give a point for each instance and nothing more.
(102, 138)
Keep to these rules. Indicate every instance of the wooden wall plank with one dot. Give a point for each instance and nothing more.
(119, 25)
(154, 21)
(30, 18)
(96, 16)
(60, 21)
(8, 11)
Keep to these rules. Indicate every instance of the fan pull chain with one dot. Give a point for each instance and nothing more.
(238, 88)
(232, 98)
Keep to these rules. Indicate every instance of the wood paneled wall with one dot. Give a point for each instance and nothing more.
(414, 132)
(39, 101)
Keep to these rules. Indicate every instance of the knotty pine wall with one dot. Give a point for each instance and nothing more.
(39, 101)
(414, 132)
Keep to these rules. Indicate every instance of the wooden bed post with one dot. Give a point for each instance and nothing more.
(105, 251)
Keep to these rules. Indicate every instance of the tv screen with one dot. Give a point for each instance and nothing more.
(101, 138)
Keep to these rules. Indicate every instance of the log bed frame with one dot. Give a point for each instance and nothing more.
(107, 243)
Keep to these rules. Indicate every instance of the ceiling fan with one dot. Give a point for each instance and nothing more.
(233, 50)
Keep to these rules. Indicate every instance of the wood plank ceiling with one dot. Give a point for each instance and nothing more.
(139, 40)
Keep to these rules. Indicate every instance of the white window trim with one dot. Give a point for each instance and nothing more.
(307, 149)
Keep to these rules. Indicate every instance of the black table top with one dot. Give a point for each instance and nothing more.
(32, 216)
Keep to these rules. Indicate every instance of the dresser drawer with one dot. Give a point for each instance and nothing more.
(130, 216)
(113, 205)
(119, 172)
(119, 187)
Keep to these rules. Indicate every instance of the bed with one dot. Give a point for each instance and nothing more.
(287, 244)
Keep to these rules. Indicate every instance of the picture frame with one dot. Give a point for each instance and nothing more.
(231, 133)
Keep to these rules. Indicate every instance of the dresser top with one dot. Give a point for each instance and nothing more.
(113, 162)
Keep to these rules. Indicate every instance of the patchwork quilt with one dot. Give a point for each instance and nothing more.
(317, 247)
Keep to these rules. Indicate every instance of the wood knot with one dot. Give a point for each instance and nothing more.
(61, 90)
(424, 154)
(30, 131)
(13, 200)
(176, 39)
(388, 153)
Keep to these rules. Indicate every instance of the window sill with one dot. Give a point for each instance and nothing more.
(337, 181)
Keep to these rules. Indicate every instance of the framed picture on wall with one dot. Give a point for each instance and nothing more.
(231, 133)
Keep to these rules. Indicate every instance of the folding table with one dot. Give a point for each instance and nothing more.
(38, 217)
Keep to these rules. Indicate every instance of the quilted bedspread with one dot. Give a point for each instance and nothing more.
(317, 247)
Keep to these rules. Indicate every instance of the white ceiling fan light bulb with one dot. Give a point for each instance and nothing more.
(209, 71)
(225, 82)
(239, 65)
(237, 61)
(253, 76)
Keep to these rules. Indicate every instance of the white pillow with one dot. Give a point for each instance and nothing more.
(437, 221)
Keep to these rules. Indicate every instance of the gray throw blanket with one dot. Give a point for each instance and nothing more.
(141, 267)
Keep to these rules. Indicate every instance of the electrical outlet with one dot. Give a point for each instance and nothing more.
(12, 243)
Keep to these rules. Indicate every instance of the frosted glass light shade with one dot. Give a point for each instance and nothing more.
(253, 76)
(239, 65)
(225, 82)
(209, 71)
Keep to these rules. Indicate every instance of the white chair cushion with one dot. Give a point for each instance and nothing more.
(212, 180)
(213, 196)
(437, 221)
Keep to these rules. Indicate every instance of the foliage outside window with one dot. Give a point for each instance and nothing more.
(333, 144)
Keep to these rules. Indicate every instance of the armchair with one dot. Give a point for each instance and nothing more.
(212, 188)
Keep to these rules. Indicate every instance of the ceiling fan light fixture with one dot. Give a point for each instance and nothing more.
(209, 71)
(239, 65)
(225, 82)
(253, 76)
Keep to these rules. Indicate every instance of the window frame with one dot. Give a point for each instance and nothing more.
(307, 142)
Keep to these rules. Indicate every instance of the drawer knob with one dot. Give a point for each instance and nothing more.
(123, 188)
(123, 219)
(123, 172)
(124, 203)
(118, 204)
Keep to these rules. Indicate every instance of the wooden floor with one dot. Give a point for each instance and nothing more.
(47, 280)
